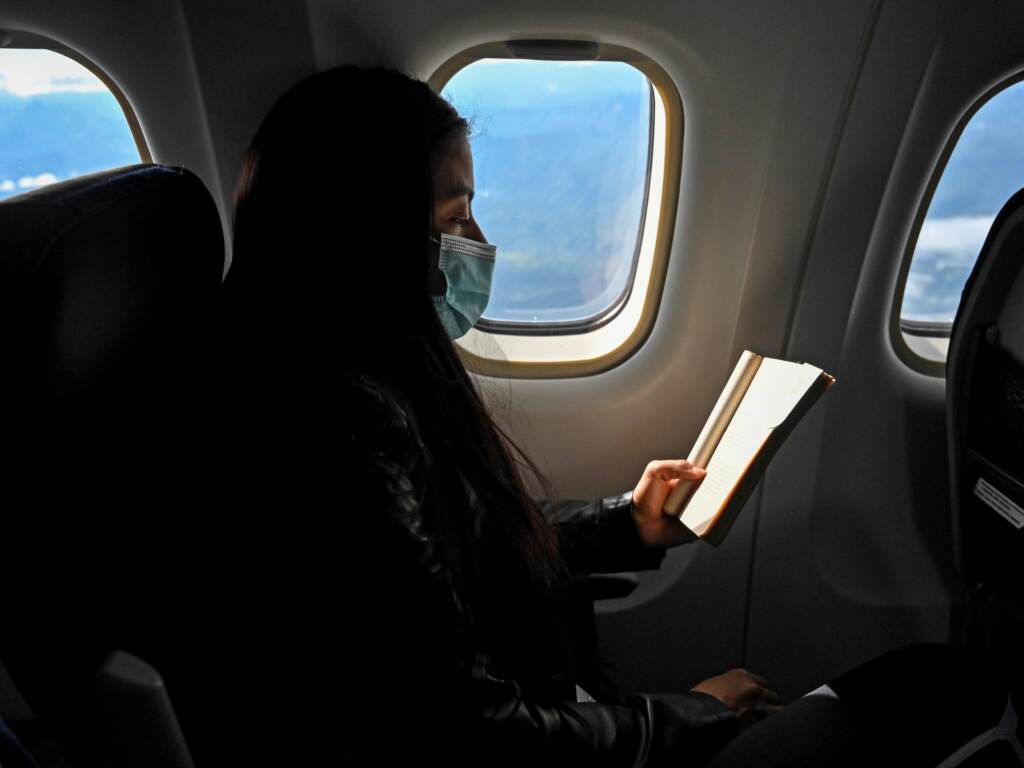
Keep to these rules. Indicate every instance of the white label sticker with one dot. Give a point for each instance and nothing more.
(1000, 503)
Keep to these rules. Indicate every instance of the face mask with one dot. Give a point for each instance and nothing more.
(467, 267)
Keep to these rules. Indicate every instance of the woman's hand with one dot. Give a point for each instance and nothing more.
(744, 693)
(657, 529)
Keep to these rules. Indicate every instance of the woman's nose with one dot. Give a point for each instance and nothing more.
(473, 232)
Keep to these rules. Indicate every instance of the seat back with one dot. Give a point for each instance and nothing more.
(107, 285)
(985, 399)
(108, 291)
(135, 722)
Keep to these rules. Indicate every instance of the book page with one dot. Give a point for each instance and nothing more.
(776, 389)
(714, 428)
(735, 452)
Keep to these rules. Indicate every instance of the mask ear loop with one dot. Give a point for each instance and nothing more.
(437, 281)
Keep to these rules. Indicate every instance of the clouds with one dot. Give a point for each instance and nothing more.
(32, 72)
(946, 251)
(10, 187)
(34, 182)
(956, 235)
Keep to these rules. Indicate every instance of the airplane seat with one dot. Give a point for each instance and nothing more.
(108, 291)
(985, 412)
(12, 752)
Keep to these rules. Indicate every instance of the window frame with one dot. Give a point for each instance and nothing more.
(16, 39)
(912, 338)
(663, 201)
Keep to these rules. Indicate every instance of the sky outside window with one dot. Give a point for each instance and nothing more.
(57, 121)
(561, 164)
(984, 170)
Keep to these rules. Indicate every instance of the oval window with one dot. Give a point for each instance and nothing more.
(562, 153)
(984, 169)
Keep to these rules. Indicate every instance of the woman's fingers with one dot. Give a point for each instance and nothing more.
(744, 693)
(765, 710)
(766, 694)
(656, 528)
(674, 469)
(770, 696)
(758, 679)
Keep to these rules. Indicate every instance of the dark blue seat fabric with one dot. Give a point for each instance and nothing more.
(12, 753)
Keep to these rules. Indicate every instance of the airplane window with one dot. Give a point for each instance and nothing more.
(985, 168)
(57, 120)
(562, 153)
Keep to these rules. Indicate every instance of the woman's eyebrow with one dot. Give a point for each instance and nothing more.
(459, 190)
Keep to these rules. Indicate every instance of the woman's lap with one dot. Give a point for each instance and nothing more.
(812, 731)
(912, 706)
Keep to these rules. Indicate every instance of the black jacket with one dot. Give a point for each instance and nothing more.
(426, 683)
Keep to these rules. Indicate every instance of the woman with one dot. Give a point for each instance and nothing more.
(357, 261)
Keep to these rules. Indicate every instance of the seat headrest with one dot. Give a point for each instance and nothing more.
(994, 292)
(104, 276)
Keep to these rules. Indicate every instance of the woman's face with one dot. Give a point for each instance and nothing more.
(453, 192)
(453, 203)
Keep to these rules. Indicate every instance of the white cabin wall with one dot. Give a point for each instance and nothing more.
(846, 471)
(855, 553)
(246, 54)
(706, 608)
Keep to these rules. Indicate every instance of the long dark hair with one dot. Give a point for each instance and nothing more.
(332, 225)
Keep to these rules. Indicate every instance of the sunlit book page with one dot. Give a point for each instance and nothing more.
(745, 429)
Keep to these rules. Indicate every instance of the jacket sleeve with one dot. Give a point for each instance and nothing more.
(648, 731)
(600, 536)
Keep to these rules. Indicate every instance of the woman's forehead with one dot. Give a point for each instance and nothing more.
(453, 170)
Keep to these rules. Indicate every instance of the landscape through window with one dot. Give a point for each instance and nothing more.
(57, 121)
(562, 154)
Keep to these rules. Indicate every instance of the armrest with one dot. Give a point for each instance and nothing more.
(134, 716)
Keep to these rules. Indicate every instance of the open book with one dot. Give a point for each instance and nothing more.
(763, 400)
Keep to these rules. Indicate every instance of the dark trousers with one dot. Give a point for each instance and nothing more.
(911, 707)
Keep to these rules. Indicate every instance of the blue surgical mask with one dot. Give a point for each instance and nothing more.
(467, 267)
